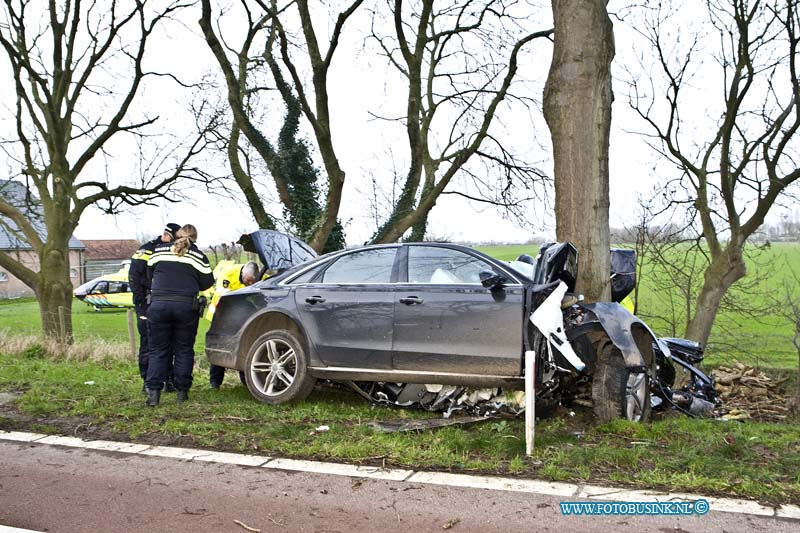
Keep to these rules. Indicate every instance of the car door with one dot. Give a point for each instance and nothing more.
(446, 321)
(348, 308)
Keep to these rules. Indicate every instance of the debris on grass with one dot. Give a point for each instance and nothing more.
(445, 399)
(396, 426)
(748, 393)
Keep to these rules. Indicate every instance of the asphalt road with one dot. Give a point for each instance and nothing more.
(53, 488)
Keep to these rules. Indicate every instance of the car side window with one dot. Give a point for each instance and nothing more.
(443, 266)
(304, 278)
(367, 266)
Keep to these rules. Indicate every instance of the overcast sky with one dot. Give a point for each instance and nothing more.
(362, 83)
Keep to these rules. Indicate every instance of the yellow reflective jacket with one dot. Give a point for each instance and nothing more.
(227, 276)
(627, 303)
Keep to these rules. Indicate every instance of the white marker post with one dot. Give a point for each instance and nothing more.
(530, 401)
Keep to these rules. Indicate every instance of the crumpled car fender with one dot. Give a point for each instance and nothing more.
(633, 337)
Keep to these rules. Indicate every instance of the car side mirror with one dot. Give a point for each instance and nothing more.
(491, 280)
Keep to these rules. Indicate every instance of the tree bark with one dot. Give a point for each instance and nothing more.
(54, 286)
(724, 270)
(577, 108)
(54, 291)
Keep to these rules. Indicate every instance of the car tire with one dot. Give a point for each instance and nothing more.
(276, 369)
(618, 392)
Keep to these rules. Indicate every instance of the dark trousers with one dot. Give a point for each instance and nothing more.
(216, 374)
(144, 344)
(172, 327)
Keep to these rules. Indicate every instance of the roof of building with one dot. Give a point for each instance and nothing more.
(18, 196)
(107, 249)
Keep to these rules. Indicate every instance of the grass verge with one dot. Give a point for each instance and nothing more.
(101, 398)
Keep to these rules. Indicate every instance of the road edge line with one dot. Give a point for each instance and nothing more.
(530, 486)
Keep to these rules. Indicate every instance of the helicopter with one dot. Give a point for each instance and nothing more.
(109, 291)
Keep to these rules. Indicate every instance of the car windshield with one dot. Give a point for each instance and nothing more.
(520, 267)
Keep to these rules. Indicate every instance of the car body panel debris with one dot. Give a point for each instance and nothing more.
(445, 399)
(396, 426)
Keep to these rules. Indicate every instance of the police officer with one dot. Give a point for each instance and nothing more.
(140, 286)
(230, 279)
(178, 273)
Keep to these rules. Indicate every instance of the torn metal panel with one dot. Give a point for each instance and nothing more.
(445, 399)
(618, 324)
(550, 321)
(395, 426)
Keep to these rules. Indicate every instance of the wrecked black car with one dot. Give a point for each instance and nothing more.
(444, 314)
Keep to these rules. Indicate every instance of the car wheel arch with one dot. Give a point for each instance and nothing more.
(264, 322)
(626, 331)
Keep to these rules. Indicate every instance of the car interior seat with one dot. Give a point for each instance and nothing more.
(443, 276)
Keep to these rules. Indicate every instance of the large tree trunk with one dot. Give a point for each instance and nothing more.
(577, 107)
(724, 270)
(54, 287)
(54, 291)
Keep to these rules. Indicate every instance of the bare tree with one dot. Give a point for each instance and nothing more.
(671, 262)
(76, 69)
(265, 14)
(737, 163)
(459, 60)
(577, 107)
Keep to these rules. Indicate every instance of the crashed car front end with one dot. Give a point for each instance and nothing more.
(352, 333)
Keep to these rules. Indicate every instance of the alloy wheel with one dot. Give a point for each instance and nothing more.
(274, 367)
(635, 396)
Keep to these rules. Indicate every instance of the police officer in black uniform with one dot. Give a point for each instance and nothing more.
(178, 273)
(140, 286)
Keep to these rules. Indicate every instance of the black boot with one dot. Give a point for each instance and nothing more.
(153, 397)
(182, 396)
(169, 386)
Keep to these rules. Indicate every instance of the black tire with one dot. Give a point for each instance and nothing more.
(616, 391)
(276, 369)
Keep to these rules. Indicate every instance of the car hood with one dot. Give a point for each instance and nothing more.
(278, 251)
